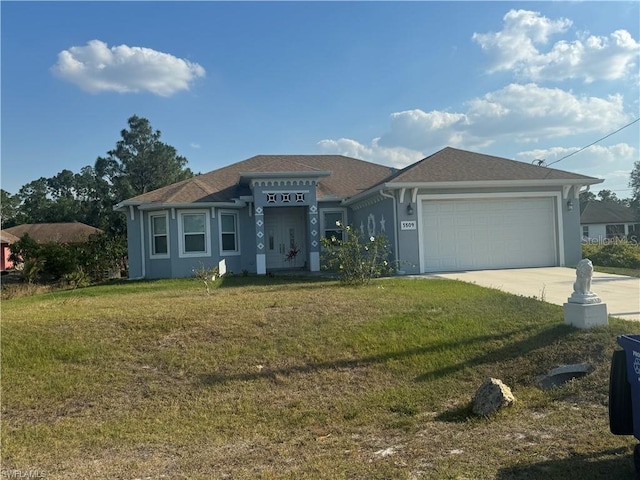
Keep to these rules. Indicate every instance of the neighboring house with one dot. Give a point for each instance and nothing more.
(454, 210)
(607, 220)
(70, 232)
(6, 239)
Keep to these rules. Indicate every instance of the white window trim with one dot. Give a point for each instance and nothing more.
(207, 234)
(229, 253)
(165, 214)
(324, 211)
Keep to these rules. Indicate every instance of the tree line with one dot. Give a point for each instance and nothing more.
(139, 163)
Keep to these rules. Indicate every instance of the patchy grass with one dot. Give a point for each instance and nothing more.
(629, 272)
(294, 378)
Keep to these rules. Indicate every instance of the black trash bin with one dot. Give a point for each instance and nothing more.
(624, 392)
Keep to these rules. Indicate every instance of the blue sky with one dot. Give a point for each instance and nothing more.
(386, 82)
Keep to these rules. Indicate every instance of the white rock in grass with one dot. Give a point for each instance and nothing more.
(492, 396)
(385, 452)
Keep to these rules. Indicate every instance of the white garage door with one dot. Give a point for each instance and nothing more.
(488, 233)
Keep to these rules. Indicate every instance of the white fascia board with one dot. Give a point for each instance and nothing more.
(332, 198)
(122, 206)
(156, 206)
(496, 183)
(470, 184)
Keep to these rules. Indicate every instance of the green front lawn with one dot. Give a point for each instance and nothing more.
(300, 378)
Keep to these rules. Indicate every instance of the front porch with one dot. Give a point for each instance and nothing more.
(287, 223)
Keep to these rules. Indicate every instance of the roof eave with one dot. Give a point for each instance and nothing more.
(555, 182)
(122, 206)
(473, 184)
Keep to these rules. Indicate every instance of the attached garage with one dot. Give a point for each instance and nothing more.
(475, 232)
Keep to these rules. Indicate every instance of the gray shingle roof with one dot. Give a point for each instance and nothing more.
(349, 177)
(454, 165)
(71, 232)
(606, 212)
(6, 237)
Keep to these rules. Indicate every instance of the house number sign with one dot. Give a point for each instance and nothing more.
(408, 225)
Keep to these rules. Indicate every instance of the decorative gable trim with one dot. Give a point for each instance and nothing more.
(367, 202)
(295, 182)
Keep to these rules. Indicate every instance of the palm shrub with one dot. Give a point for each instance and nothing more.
(356, 258)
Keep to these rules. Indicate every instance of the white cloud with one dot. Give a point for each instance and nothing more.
(96, 67)
(516, 113)
(515, 43)
(398, 157)
(613, 163)
(194, 145)
(523, 113)
(591, 58)
(596, 155)
(417, 130)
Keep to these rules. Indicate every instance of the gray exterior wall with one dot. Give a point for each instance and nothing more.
(373, 216)
(133, 244)
(141, 264)
(408, 242)
(572, 234)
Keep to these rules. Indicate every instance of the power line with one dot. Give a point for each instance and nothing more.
(597, 141)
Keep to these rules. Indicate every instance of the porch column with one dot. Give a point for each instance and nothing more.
(261, 258)
(314, 250)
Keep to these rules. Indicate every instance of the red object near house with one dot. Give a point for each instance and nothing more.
(6, 239)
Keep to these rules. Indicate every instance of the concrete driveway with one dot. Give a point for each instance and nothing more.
(555, 285)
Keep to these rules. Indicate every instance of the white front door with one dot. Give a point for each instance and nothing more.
(285, 234)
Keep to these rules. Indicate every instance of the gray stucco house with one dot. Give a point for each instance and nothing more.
(454, 210)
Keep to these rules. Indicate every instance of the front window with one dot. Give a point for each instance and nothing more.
(159, 235)
(615, 231)
(330, 220)
(585, 231)
(229, 233)
(194, 228)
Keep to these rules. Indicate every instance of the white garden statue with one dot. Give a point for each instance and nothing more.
(582, 286)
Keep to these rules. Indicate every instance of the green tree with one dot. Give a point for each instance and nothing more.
(101, 253)
(587, 196)
(141, 162)
(62, 185)
(24, 249)
(634, 183)
(10, 205)
(35, 204)
(50, 200)
(95, 190)
(609, 196)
